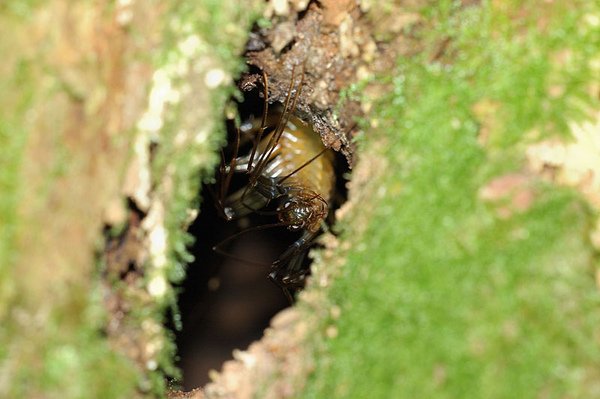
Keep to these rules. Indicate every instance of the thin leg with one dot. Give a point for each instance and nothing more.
(293, 256)
(263, 124)
(287, 271)
(303, 165)
(283, 120)
(246, 201)
(226, 174)
(289, 283)
(218, 248)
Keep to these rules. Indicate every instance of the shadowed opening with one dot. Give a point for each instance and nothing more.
(226, 302)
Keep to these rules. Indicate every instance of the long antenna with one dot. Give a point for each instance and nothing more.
(303, 165)
(263, 123)
(217, 248)
(276, 135)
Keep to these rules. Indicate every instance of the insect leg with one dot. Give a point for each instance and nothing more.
(293, 256)
(287, 271)
(281, 180)
(264, 158)
(218, 248)
(263, 124)
(246, 201)
(226, 172)
(288, 283)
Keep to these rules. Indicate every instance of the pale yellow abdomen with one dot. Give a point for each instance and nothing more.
(297, 145)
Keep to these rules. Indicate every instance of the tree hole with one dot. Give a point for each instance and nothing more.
(227, 301)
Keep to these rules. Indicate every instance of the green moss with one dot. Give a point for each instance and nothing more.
(440, 297)
(16, 92)
(11, 148)
(85, 359)
(74, 360)
(193, 128)
(192, 163)
(18, 8)
(69, 356)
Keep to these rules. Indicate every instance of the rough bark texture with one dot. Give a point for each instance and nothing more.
(323, 47)
(108, 114)
(108, 121)
(84, 80)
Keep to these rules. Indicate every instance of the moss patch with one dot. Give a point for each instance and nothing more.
(445, 293)
(70, 112)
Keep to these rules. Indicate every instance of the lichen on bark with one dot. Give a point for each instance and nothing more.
(77, 119)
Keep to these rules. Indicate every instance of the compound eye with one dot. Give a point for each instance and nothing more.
(288, 204)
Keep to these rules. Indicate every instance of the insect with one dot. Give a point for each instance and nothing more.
(290, 176)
